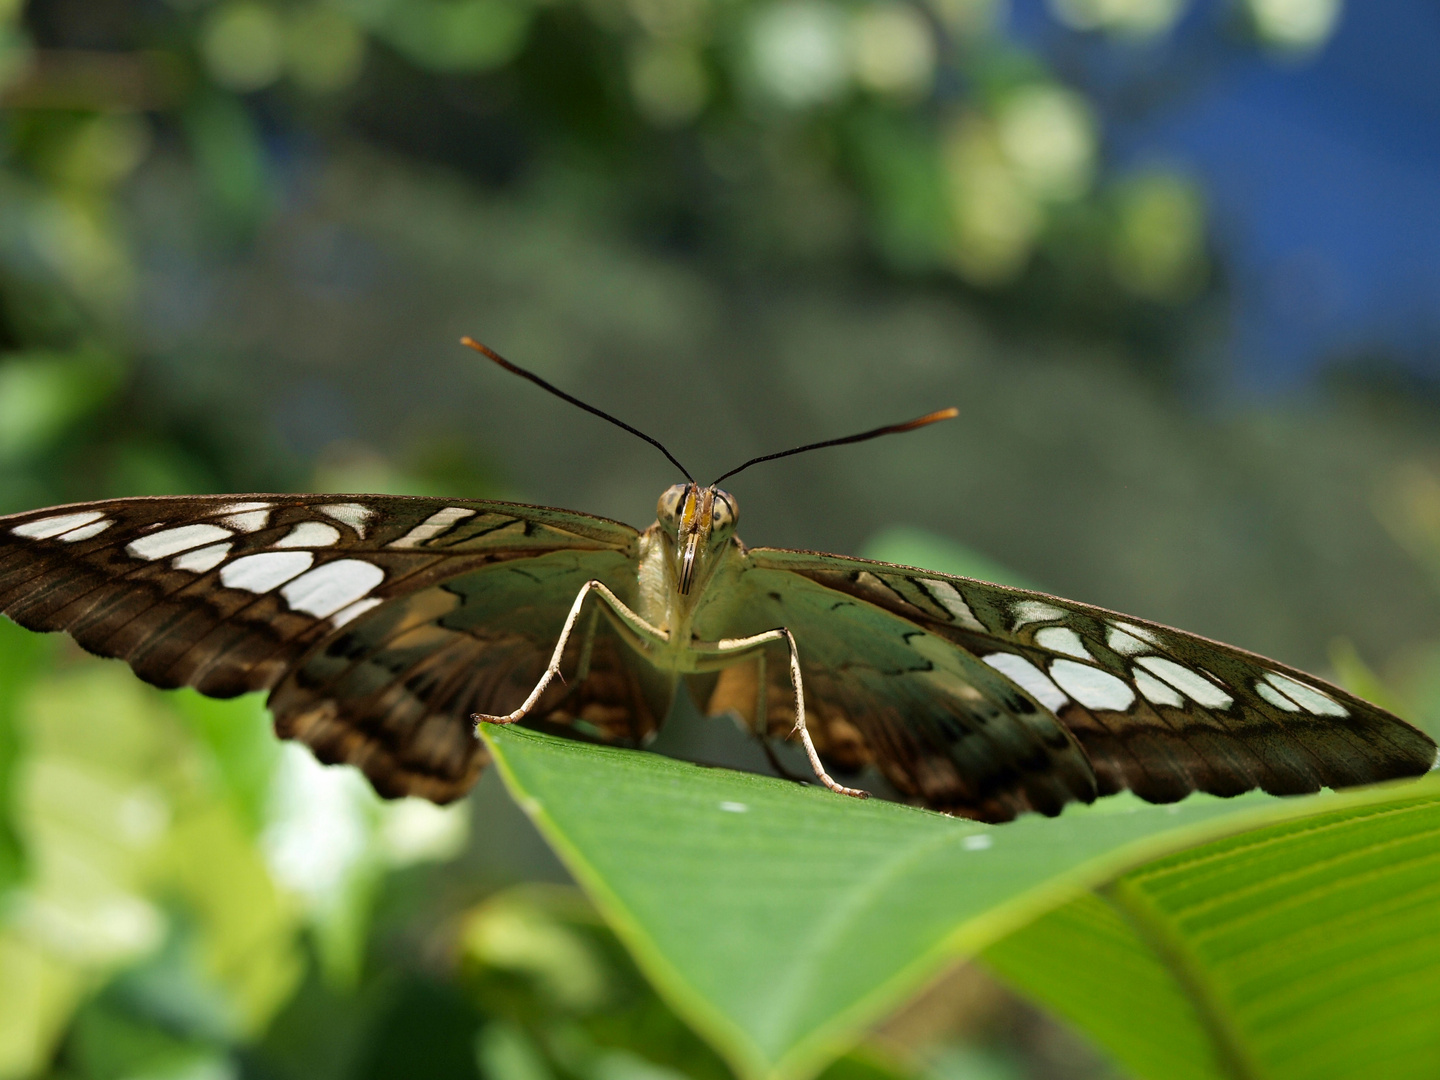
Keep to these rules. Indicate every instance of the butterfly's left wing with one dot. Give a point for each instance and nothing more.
(379, 623)
(1156, 710)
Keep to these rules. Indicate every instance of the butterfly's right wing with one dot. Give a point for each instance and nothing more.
(899, 658)
(882, 690)
(379, 623)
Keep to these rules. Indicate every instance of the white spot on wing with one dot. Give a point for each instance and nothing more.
(173, 541)
(1307, 697)
(201, 560)
(355, 610)
(1029, 678)
(309, 534)
(329, 588)
(1128, 639)
(1062, 639)
(1028, 611)
(85, 532)
(948, 597)
(45, 528)
(1275, 697)
(353, 514)
(1192, 684)
(432, 526)
(1125, 644)
(1155, 691)
(240, 507)
(249, 521)
(1091, 687)
(261, 573)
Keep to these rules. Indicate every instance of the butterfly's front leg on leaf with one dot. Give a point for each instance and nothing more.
(646, 639)
(723, 653)
(653, 643)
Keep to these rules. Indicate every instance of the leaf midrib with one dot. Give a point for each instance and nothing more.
(1160, 935)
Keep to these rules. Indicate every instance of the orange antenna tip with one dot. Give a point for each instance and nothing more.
(930, 418)
(889, 429)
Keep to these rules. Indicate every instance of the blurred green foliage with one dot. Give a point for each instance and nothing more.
(918, 138)
(182, 897)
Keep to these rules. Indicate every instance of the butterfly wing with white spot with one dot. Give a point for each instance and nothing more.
(1156, 710)
(314, 596)
(943, 727)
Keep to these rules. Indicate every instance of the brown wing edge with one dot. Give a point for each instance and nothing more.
(412, 734)
(337, 740)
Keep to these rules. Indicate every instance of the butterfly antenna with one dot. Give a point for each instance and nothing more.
(516, 369)
(891, 429)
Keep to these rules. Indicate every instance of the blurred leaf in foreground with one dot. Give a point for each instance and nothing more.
(19, 652)
(134, 853)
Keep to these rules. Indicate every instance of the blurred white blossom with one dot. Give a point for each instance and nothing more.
(1130, 18)
(894, 49)
(1048, 135)
(1295, 25)
(799, 52)
(243, 46)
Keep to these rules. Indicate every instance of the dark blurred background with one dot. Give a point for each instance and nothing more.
(1176, 262)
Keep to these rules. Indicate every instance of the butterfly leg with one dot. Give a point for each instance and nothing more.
(587, 648)
(638, 628)
(758, 641)
(761, 725)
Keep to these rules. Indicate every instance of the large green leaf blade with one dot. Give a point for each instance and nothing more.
(1086, 962)
(781, 919)
(1304, 950)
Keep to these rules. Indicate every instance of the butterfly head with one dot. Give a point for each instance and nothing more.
(699, 522)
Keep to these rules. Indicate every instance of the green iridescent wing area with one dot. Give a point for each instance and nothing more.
(379, 622)
(1156, 710)
(943, 727)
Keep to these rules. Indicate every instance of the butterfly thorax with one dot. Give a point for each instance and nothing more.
(691, 544)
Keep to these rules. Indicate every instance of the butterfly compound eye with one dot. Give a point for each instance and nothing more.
(667, 510)
(724, 513)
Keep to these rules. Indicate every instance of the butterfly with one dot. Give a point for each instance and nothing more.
(384, 627)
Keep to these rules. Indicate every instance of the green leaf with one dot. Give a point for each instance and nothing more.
(242, 745)
(780, 920)
(42, 395)
(1307, 949)
(20, 652)
(230, 158)
(452, 35)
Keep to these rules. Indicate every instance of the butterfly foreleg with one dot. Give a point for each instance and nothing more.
(757, 642)
(627, 620)
(762, 698)
(587, 647)
(761, 723)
